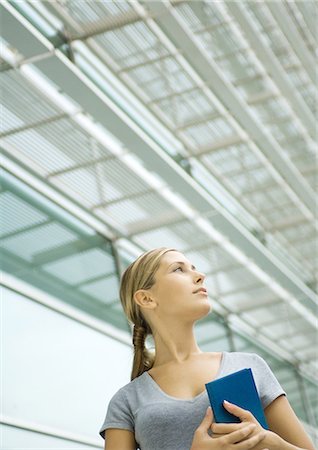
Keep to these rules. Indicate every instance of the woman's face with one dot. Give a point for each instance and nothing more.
(179, 288)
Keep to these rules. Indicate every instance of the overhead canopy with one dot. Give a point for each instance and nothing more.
(183, 124)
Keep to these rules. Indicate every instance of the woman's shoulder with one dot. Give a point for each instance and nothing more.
(129, 388)
(243, 359)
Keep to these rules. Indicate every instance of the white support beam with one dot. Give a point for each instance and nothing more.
(269, 60)
(309, 13)
(281, 15)
(45, 430)
(101, 107)
(172, 25)
(95, 102)
(106, 24)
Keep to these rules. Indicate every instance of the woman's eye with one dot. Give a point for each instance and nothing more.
(178, 268)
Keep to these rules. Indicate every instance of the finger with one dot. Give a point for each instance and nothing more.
(251, 442)
(207, 420)
(239, 412)
(225, 428)
(239, 435)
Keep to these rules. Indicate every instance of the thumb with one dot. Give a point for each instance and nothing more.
(207, 419)
(243, 414)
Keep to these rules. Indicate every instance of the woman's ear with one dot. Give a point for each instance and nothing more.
(143, 299)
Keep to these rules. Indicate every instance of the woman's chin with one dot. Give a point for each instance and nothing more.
(205, 308)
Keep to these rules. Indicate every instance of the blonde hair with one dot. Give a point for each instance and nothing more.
(140, 275)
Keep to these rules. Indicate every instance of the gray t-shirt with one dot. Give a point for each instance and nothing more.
(162, 422)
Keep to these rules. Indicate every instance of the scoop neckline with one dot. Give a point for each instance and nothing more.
(156, 385)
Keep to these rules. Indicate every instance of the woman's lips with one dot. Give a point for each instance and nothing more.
(201, 291)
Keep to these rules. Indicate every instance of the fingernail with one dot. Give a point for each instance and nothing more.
(208, 410)
(226, 402)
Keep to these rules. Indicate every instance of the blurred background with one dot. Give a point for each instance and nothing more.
(133, 125)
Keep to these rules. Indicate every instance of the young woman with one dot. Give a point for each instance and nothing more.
(164, 407)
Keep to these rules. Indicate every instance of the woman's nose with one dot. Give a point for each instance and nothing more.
(200, 277)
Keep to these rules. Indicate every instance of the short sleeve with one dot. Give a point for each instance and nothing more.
(118, 414)
(267, 384)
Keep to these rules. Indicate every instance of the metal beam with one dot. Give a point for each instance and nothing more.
(220, 144)
(33, 125)
(172, 25)
(291, 222)
(310, 17)
(101, 107)
(70, 249)
(153, 223)
(110, 23)
(25, 229)
(131, 196)
(84, 165)
(280, 13)
(198, 121)
(65, 436)
(259, 305)
(269, 60)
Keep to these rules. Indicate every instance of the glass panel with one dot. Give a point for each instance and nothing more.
(56, 372)
(45, 246)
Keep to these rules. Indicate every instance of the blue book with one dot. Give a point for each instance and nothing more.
(238, 388)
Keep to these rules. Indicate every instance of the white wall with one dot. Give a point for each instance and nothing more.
(56, 373)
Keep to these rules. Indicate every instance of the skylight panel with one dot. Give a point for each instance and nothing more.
(199, 134)
(200, 102)
(233, 159)
(104, 290)
(83, 184)
(309, 94)
(9, 120)
(145, 74)
(299, 231)
(85, 12)
(255, 87)
(185, 107)
(162, 86)
(188, 15)
(204, 14)
(27, 244)
(298, 77)
(186, 230)
(81, 267)
(128, 54)
(161, 237)
(130, 40)
(275, 215)
(277, 196)
(125, 212)
(239, 278)
(283, 131)
(199, 260)
(37, 151)
(288, 60)
(17, 214)
(126, 182)
(205, 133)
(19, 97)
(220, 127)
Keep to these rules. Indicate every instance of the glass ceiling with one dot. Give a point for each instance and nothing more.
(183, 124)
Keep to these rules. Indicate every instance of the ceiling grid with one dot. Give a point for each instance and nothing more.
(178, 123)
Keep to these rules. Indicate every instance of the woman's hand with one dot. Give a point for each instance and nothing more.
(242, 439)
(271, 440)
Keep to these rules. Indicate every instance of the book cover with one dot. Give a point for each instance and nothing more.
(238, 388)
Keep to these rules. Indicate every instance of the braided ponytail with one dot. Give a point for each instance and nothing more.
(143, 358)
(140, 275)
